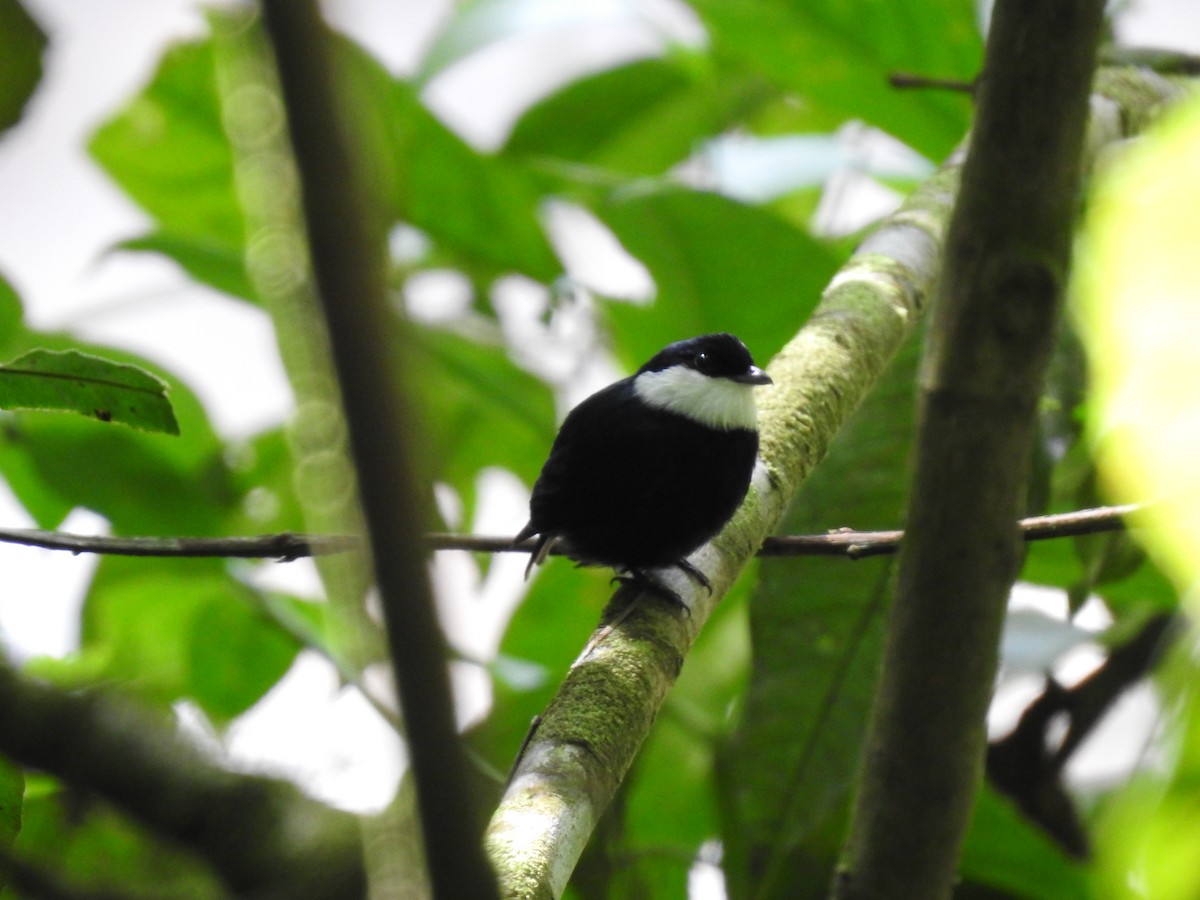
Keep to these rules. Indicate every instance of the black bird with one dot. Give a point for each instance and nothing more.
(647, 469)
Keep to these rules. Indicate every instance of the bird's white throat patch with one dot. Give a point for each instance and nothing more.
(716, 402)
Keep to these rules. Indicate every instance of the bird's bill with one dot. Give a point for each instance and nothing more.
(755, 375)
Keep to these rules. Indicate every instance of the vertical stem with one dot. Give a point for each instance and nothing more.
(990, 338)
(277, 263)
(347, 241)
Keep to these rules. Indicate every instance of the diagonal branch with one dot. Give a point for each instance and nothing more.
(264, 837)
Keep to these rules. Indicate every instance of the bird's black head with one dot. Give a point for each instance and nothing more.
(708, 379)
(715, 355)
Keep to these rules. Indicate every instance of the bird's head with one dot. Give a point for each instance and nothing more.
(709, 379)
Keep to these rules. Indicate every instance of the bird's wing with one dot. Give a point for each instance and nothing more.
(595, 433)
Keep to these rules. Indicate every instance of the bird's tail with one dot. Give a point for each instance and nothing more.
(545, 543)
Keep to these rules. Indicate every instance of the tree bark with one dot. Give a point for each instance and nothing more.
(990, 338)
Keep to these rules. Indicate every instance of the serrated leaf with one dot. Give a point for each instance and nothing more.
(142, 482)
(71, 381)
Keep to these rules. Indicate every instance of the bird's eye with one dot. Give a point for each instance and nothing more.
(701, 361)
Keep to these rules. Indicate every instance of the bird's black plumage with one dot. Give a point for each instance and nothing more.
(645, 471)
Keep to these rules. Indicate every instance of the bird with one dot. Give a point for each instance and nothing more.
(649, 468)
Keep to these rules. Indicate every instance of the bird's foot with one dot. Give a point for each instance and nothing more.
(694, 573)
(639, 578)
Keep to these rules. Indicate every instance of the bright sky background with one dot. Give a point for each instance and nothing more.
(58, 216)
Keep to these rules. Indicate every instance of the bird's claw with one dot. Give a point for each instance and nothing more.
(695, 574)
(639, 579)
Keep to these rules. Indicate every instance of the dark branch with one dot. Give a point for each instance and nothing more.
(990, 338)
(1027, 767)
(1162, 61)
(287, 546)
(284, 547)
(248, 828)
(347, 241)
(908, 80)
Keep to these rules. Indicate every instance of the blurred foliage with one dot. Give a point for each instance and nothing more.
(21, 46)
(758, 745)
(789, 768)
(84, 842)
(1138, 293)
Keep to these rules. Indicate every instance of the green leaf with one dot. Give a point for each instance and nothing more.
(816, 626)
(483, 210)
(12, 803)
(719, 266)
(12, 317)
(90, 846)
(235, 651)
(44, 503)
(1060, 564)
(21, 46)
(477, 409)
(138, 485)
(264, 478)
(219, 264)
(1004, 851)
(70, 381)
(483, 23)
(482, 207)
(638, 119)
(836, 56)
(168, 151)
(178, 629)
(144, 483)
(1138, 290)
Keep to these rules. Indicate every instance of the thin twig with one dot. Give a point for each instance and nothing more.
(284, 547)
(287, 546)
